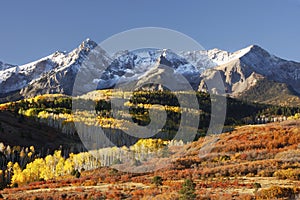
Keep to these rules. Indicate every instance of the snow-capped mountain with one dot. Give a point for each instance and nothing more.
(61, 78)
(245, 68)
(4, 66)
(89, 67)
(137, 65)
(53, 74)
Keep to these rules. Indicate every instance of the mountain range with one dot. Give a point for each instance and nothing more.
(251, 73)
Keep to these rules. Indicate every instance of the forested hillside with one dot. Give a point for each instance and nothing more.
(251, 162)
(32, 129)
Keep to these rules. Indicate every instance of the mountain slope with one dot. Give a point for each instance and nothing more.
(21, 131)
(90, 68)
(61, 78)
(4, 66)
(271, 92)
(254, 65)
(53, 74)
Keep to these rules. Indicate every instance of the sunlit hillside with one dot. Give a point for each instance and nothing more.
(250, 160)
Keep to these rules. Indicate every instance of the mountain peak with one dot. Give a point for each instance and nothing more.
(253, 50)
(256, 48)
(56, 72)
(4, 66)
(88, 43)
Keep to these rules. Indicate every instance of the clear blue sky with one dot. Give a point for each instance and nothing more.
(30, 30)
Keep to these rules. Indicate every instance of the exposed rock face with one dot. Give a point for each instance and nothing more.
(90, 68)
(251, 65)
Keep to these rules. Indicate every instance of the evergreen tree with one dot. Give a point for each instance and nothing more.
(187, 191)
(157, 181)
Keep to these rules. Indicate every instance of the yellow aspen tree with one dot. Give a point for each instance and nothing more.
(32, 149)
(78, 161)
(18, 176)
(59, 169)
(9, 170)
(47, 173)
(35, 168)
(51, 164)
(68, 166)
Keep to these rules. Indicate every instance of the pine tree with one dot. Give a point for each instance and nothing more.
(187, 191)
(157, 181)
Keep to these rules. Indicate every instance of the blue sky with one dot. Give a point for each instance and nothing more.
(30, 30)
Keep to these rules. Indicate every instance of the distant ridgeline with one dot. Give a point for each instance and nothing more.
(56, 111)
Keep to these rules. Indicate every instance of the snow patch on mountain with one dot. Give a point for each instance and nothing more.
(95, 69)
(4, 66)
(242, 69)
